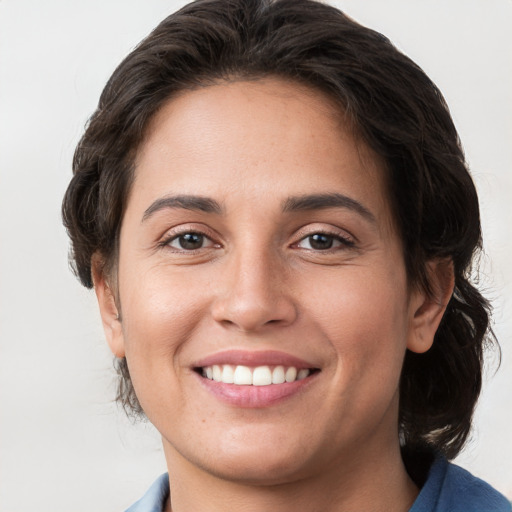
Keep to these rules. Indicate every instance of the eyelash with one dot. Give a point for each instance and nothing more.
(345, 242)
(166, 242)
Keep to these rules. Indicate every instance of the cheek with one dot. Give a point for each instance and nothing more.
(160, 315)
(364, 318)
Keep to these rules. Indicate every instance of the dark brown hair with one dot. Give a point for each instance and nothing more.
(394, 108)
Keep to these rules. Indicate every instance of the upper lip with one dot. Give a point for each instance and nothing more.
(253, 359)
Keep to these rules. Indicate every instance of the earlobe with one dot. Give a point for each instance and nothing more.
(427, 309)
(108, 309)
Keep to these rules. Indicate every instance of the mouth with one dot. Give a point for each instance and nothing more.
(255, 379)
(266, 375)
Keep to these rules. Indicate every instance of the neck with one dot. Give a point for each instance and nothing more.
(375, 480)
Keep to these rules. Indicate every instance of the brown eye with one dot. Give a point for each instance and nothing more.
(190, 241)
(324, 242)
(319, 241)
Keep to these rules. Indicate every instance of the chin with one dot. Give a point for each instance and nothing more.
(261, 470)
(264, 459)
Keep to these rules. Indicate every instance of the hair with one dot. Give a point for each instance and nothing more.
(392, 106)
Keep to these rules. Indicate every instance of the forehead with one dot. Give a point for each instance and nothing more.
(266, 139)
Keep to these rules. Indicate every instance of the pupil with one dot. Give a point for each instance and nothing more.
(320, 241)
(191, 241)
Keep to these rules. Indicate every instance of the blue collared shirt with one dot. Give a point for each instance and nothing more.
(448, 488)
(155, 497)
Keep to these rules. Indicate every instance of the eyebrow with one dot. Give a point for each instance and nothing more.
(186, 202)
(291, 204)
(323, 201)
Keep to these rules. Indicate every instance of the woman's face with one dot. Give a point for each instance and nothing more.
(258, 246)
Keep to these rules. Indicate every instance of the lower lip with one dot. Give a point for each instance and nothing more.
(255, 396)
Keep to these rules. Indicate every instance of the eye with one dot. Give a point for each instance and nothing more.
(189, 241)
(324, 242)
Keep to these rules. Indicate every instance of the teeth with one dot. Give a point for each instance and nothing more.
(302, 374)
(278, 375)
(243, 376)
(290, 374)
(217, 373)
(259, 376)
(228, 374)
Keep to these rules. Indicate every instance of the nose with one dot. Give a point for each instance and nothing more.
(253, 293)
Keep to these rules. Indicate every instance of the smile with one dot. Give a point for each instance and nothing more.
(255, 379)
(254, 376)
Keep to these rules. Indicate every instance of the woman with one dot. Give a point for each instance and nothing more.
(273, 207)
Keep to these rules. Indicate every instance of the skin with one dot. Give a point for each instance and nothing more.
(258, 284)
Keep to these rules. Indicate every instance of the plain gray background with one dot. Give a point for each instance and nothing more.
(63, 444)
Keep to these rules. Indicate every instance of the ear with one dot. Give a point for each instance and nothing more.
(427, 309)
(109, 312)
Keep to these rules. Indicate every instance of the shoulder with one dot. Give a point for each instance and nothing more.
(472, 490)
(452, 488)
(154, 499)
